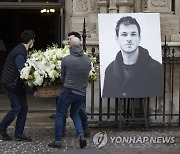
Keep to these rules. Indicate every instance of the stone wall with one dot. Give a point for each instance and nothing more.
(77, 10)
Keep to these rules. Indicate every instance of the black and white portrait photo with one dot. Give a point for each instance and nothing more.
(130, 55)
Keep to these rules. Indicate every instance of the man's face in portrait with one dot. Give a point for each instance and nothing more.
(128, 38)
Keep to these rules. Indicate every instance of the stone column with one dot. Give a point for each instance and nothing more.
(112, 6)
(138, 6)
(93, 20)
(103, 6)
(177, 9)
(125, 6)
(80, 11)
(68, 14)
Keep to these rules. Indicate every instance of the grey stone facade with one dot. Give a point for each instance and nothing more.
(77, 10)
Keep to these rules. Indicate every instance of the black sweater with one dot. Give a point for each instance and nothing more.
(144, 80)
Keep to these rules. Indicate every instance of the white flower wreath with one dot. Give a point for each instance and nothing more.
(44, 68)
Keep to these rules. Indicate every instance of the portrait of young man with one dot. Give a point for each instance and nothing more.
(135, 69)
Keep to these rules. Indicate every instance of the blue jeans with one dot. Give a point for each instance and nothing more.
(64, 101)
(82, 114)
(19, 108)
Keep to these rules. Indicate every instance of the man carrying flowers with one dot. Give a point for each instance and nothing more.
(75, 70)
(82, 112)
(15, 88)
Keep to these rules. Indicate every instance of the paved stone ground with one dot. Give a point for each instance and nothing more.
(41, 129)
(42, 136)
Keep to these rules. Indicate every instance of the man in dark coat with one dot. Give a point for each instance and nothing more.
(133, 73)
(15, 88)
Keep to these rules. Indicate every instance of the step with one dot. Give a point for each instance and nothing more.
(35, 120)
(34, 104)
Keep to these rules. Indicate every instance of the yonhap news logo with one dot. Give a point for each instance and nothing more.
(142, 140)
(100, 139)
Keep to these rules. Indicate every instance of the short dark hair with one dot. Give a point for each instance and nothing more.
(128, 20)
(76, 34)
(27, 35)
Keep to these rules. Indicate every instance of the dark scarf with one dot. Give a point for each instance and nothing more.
(143, 58)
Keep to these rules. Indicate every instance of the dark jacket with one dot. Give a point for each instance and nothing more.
(75, 71)
(144, 80)
(10, 78)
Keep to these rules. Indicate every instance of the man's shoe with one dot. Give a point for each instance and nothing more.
(82, 142)
(22, 138)
(87, 132)
(55, 144)
(5, 136)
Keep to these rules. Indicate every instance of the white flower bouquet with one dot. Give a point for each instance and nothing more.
(43, 68)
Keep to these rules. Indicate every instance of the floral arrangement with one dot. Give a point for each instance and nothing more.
(43, 68)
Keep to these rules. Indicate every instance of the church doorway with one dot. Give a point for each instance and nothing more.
(47, 27)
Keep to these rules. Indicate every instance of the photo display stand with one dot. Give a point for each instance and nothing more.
(133, 71)
(126, 118)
